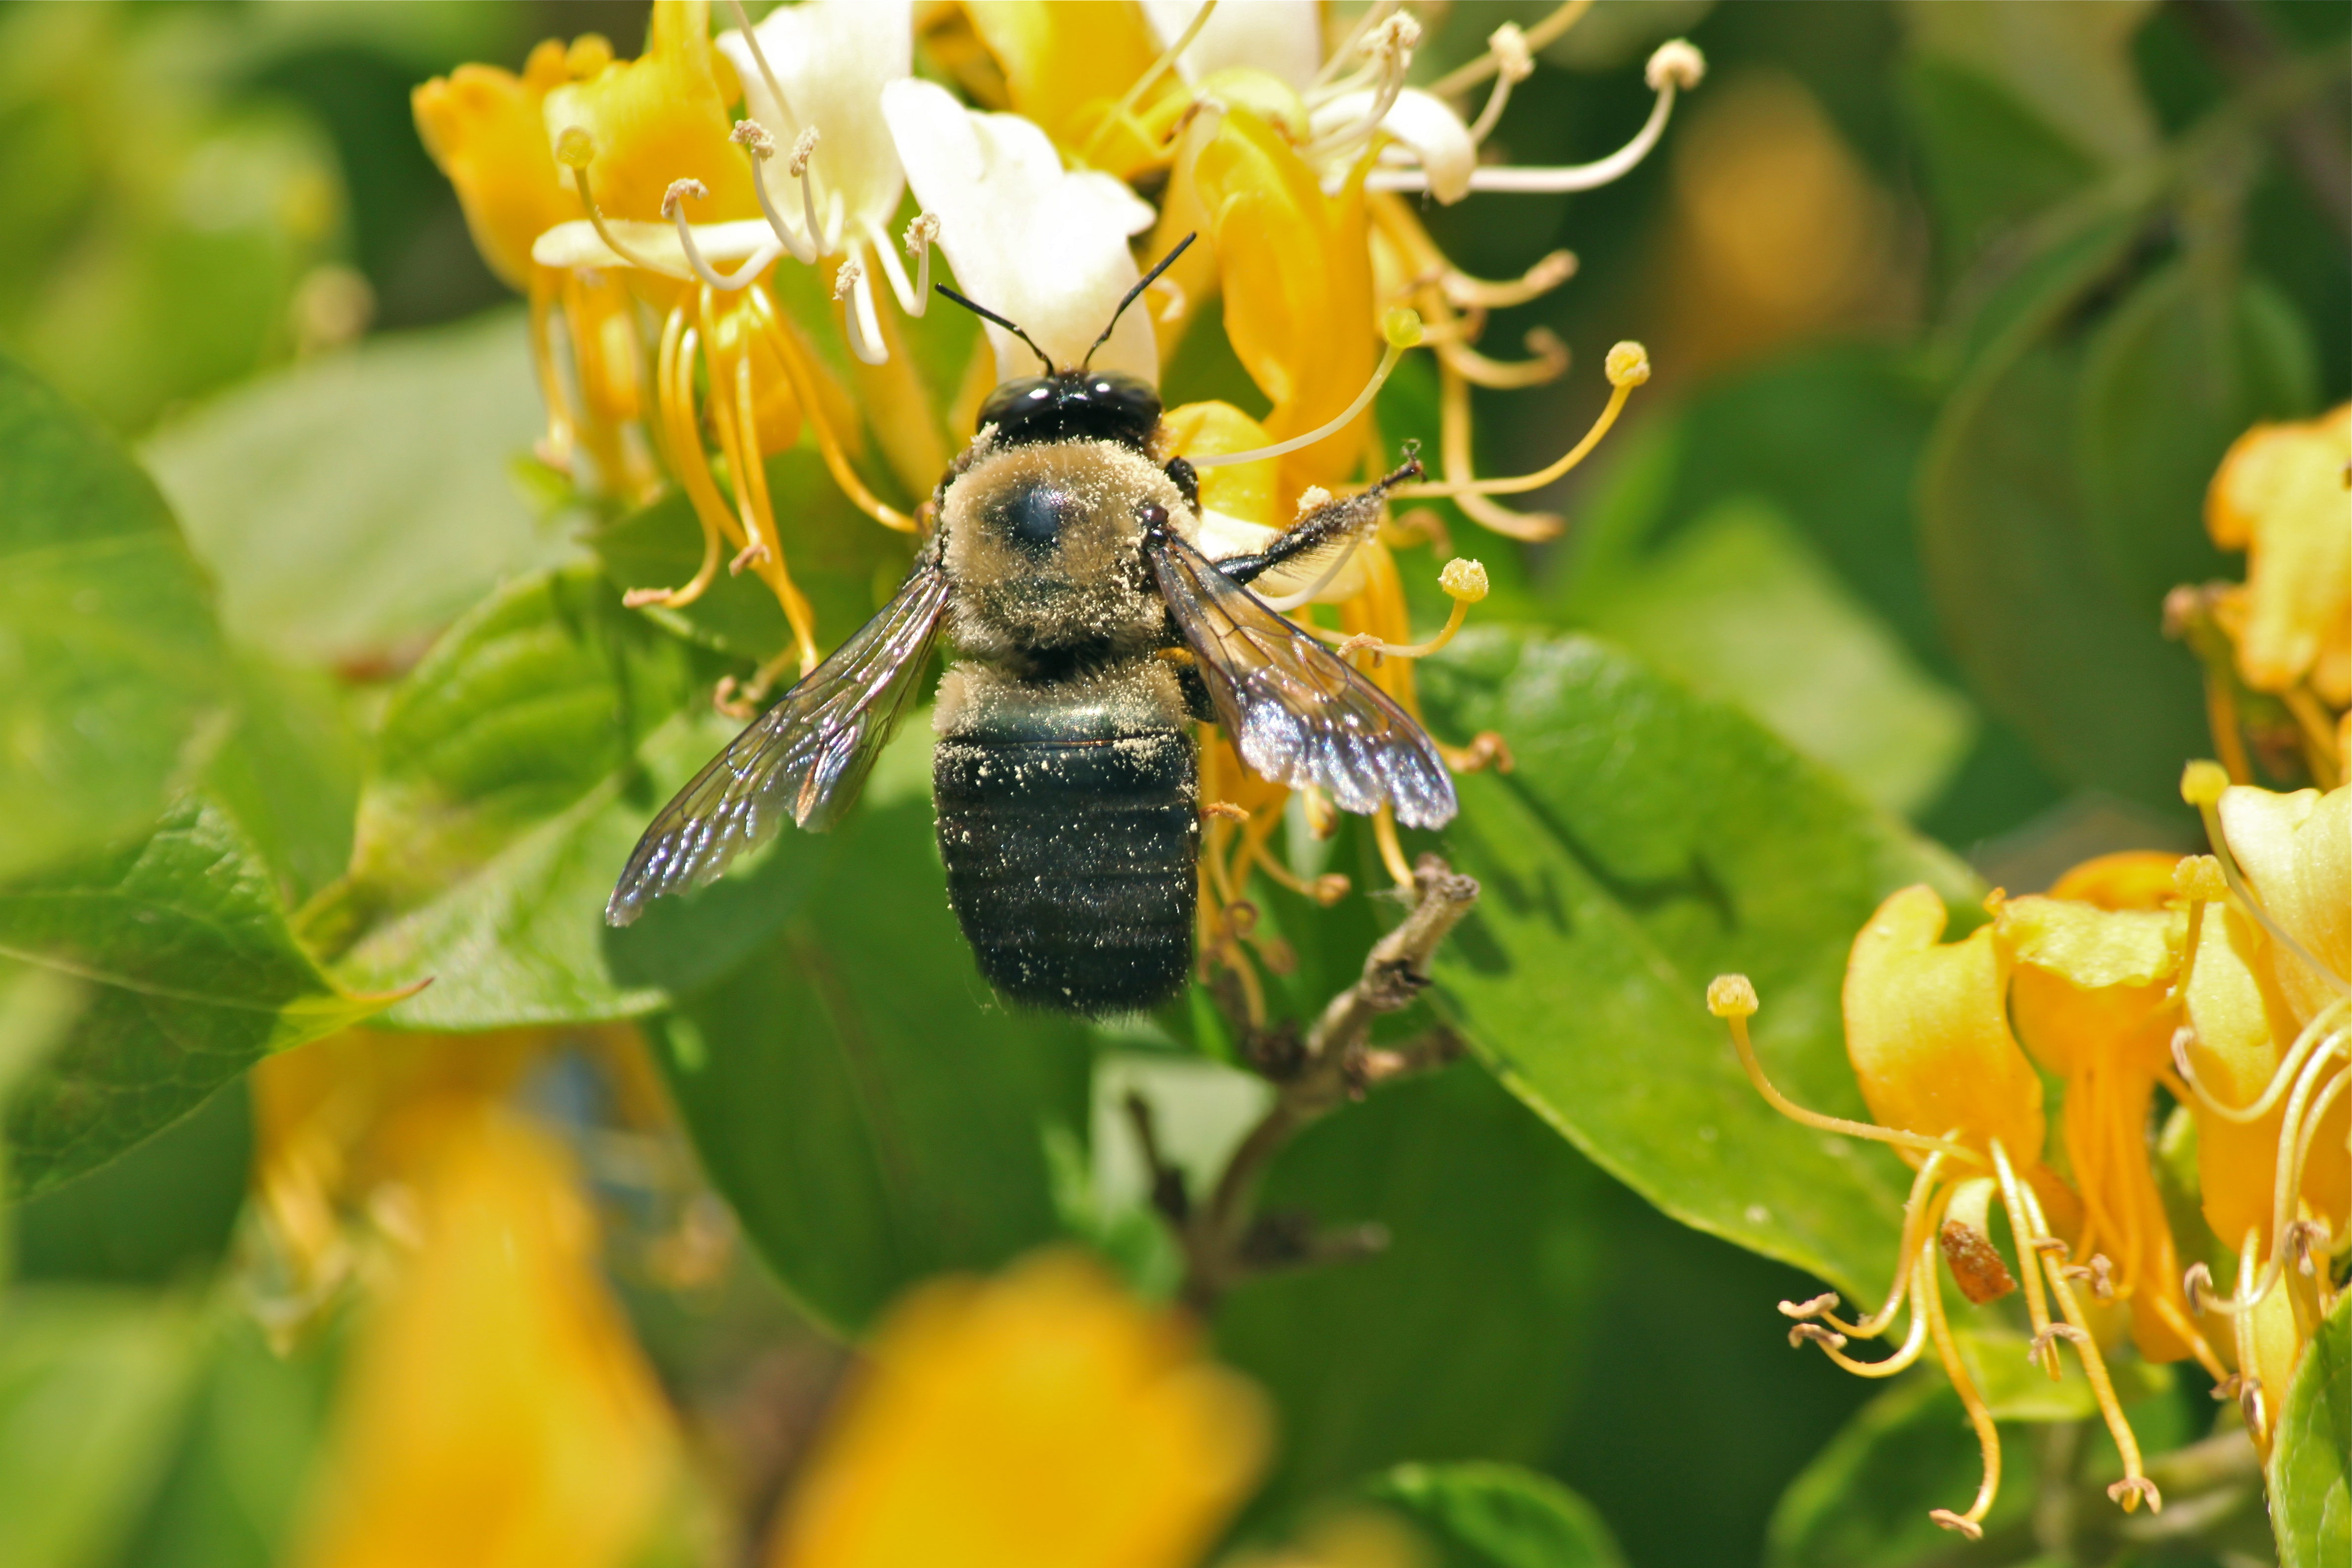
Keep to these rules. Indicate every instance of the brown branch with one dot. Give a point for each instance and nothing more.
(1226, 1240)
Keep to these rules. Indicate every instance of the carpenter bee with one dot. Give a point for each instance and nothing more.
(1089, 629)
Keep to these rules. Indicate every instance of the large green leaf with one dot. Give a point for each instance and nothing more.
(2075, 659)
(2311, 1457)
(1497, 1516)
(192, 975)
(513, 772)
(1647, 841)
(1864, 1500)
(2183, 366)
(112, 681)
(92, 1389)
(354, 503)
(160, 1214)
(1529, 1311)
(871, 1112)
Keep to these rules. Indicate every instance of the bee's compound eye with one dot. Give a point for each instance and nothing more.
(1033, 516)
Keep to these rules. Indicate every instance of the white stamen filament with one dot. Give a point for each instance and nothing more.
(1373, 17)
(2289, 1068)
(759, 56)
(1329, 428)
(759, 261)
(914, 297)
(1391, 50)
(755, 140)
(863, 331)
(1513, 65)
(1289, 602)
(1668, 74)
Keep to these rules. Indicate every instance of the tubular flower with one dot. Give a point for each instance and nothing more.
(1037, 1420)
(2265, 1060)
(2093, 998)
(494, 1408)
(2283, 495)
(1928, 1035)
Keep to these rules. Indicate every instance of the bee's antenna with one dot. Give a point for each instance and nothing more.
(1150, 278)
(985, 314)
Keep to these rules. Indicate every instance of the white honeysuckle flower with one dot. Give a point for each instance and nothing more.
(1281, 38)
(1037, 243)
(831, 59)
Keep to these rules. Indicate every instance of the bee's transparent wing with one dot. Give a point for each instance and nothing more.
(803, 759)
(1296, 712)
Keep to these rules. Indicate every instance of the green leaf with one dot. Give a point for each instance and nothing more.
(92, 1385)
(514, 769)
(289, 771)
(1992, 162)
(192, 976)
(1864, 1500)
(354, 503)
(1498, 1515)
(2075, 660)
(2311, 1457)
(870, 1111)
(1742, 608)
(161, 1212)
(1647, 841)
(112, 681)
(2180, 371)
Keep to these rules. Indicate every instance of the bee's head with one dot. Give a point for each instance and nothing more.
(1073, 405)
(1079, 405)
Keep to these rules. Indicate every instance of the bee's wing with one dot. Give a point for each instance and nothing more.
(804, 758)
(1297, 714)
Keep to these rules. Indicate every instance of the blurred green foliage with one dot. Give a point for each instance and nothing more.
(345, 698)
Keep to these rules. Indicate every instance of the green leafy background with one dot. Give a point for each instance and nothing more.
(318, 703)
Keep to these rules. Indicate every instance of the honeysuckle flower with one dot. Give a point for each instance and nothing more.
(494, 1408)
(2265, 1060)
(2280, 496)
(1043, 246)
(2092, 998)
(1043, 1419)
(1928, 1035)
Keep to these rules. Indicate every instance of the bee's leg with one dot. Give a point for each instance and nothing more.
(1326, 525)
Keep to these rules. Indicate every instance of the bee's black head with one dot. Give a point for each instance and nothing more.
(1074, 406)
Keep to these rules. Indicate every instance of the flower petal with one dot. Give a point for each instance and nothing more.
(657, 119)
(832, 59)
(1927, 1030)
(1283, 37)
(485, 128)
(1038, 245)
(1439, 140)
(2280, 496)
(2296, 852)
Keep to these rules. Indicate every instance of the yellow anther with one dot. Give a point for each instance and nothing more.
(2203, 781)
(590, 53)
(1402, 327)
(575, 149)
(1628, 364)
(1731, 997)
(2199, 877)
(1466, 581)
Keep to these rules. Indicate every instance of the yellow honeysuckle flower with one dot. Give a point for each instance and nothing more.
(495, 1411)
(2093, 1000)
(656, 120)
(1038, 1420)
(1928, 1032)
(2265, 1060)
(1057, 62)
(2280, 496)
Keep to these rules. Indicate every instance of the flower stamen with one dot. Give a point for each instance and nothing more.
(1514, 63)
(1628, 366)
(1403, 330)
(575, 150)
(674, 208)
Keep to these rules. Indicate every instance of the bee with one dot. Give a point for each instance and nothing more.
(1089, 631)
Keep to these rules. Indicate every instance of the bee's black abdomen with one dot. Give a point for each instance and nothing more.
(1070, 858)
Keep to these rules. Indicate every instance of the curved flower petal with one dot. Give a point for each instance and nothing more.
(832, 59)
(1927, 1030)
(1033, 242)
(1439, 140)
(2280, 496)
(577, 243)
(485, 128)
(1283, 37)
(658, 119)
(2238, 1027)
(1063, 64)
(2296, 852)
(1043, 1419)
